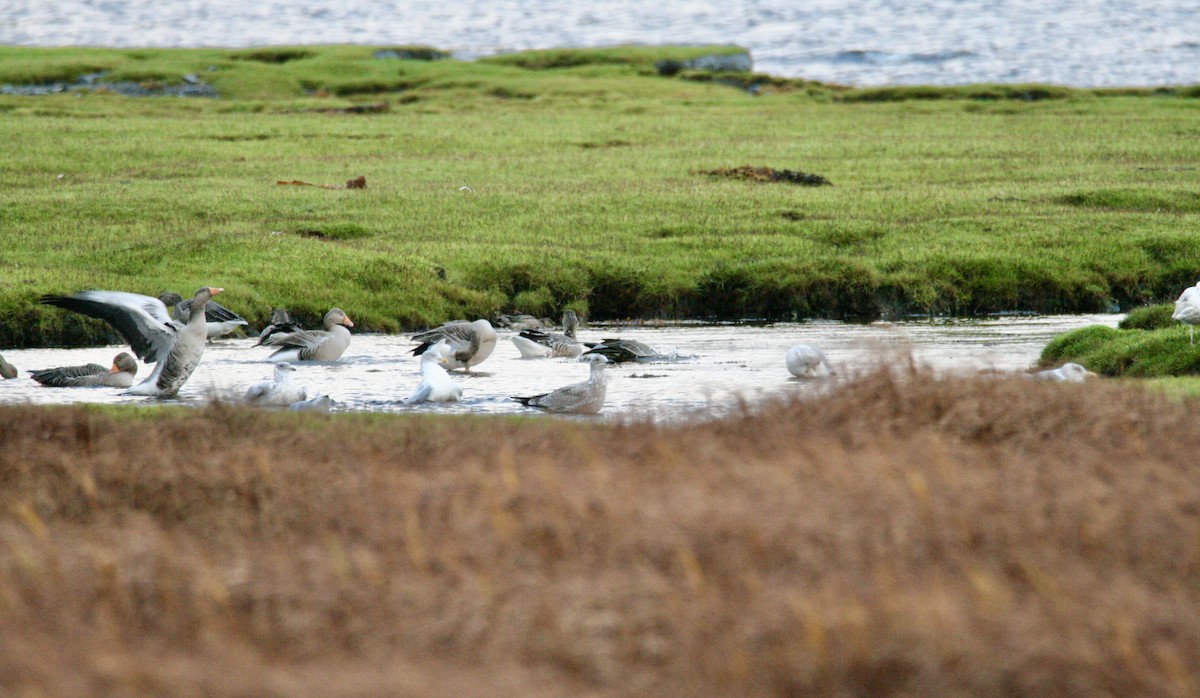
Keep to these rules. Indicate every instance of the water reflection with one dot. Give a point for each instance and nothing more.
(713, 368)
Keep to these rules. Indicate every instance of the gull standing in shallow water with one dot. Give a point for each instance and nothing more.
(436, 385)
(578, 398)
(313, 345)
(535, 343)
(1187, 310)
(807, 361)
(143, 321)
(121, 375)
(280, 392)
(1067, 373)
(469, 342)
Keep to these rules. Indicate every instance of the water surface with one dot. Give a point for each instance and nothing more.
(713, 367)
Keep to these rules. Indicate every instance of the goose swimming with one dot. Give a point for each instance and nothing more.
(280, 392)
(807, 361)
(219, 320)
(1187, 310)
(143, 321)
(578, 398)
(469, 343)
(120, 375)
(436, 384)
(313, 345)
(619, 350)
(536, 343)
(1067, 373)
(280, 322)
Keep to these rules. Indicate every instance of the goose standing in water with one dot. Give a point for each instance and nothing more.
(578, 398)
(219, 320)
(143, 321)
(436, 384)
(121, 375)
(313, 345)
(538, 343)
(1187, 310)
(7, 370)
(469, 343)
(807, 361)
(280, 392)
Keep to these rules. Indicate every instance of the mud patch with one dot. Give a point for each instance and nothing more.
(769, 174)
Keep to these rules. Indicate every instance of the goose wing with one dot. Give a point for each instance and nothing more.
(458, 334)
(142, 320)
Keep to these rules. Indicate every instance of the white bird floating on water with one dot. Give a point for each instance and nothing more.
(155, 338)
(320, 403)
(535, 343)
(1067, 373)
(469, 343)
(807, 361)
(578, 398)
(1187, 310)
(436, 384)
(312, 345)
(280, 392)
(121, 375)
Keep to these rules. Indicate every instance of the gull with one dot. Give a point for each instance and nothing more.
(280, 392)
(313, 345)
(436, 384)
(1187, 310)
(143, 321)
(320, 403)
(469, 343)
(219, 320)
(1067, 373)
(807, 361)
(121, 375)
(578, 398)
(535, 343)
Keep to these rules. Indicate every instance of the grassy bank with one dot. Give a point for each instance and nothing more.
(985, 538)
(585, 188)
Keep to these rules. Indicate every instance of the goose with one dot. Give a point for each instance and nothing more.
(121, 375)
(539, 343)
(436, 385)
(7, 370)
(469, 343)
(143, 321)
(280, 392)
(619, 350)
(280, 322)
(807, 361)
(1187, 310)
(313, 345)
(220, 321)
(1067, 373)
(578, 398)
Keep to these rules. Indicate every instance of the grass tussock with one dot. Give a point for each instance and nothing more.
(901, 537)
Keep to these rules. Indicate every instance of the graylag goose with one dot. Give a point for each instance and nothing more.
(219, 320)
(469, 342)
(578, 398)
(174, 348)
(313, 345)
(280, 322)
(539, 343)
(619, 350)
(120, 375)
(280, 392)
(7, 370)
(807, 361)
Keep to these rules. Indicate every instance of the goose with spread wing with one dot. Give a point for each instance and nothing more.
(219, 320)
(143, 321)
(578, 398)
(469, 343)
(327, 344)
(534, 343)
(120, 375)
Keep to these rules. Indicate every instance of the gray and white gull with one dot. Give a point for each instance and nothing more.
(578, 398)
(436, 384)
(282, 391)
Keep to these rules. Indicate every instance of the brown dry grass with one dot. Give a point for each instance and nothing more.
(899, 538)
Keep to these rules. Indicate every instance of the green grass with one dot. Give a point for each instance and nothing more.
(585, 190)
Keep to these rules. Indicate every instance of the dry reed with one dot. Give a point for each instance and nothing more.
(904, 536)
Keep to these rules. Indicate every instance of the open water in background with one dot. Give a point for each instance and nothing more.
(1095, 43)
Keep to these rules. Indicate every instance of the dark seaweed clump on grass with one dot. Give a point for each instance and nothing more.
(770, 174)
(273, 55)
(412, 53)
